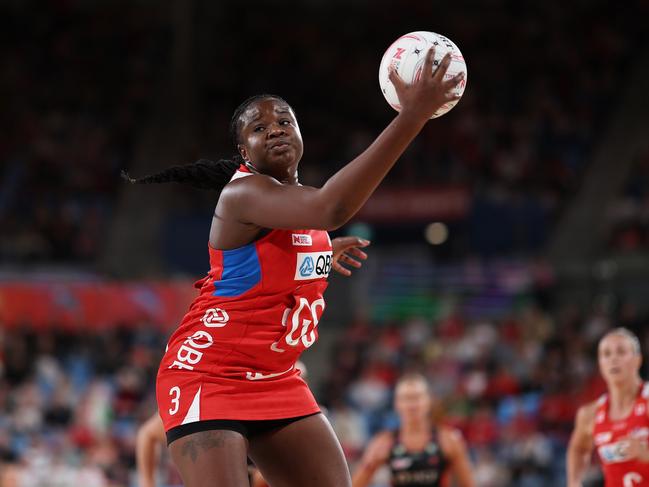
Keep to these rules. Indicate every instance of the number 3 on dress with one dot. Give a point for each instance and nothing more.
(174, 392)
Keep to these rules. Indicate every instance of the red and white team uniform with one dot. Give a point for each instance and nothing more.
(233, 355)
(610, 440)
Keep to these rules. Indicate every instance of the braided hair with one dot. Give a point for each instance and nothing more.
(204, 173)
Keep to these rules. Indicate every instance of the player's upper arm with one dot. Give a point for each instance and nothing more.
(582, 435)
(265, 202)
(455, 450)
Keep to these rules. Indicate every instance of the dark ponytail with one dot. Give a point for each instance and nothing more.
(202, 174)
(206, 174)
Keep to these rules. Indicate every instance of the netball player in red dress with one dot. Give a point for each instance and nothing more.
(227, 386)
(617, 424)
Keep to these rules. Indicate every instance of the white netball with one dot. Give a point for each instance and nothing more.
(407, 55)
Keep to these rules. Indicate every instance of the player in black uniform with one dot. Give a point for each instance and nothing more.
(419, 453)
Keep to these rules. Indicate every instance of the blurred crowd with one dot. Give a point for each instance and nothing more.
(76, 83)
(629, 216)
(79, 81)
(71, 400)
(511, 385)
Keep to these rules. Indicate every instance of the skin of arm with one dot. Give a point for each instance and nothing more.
(150, 437)
(264, 202)
(580, 446)
(454, 449)
(376, 455)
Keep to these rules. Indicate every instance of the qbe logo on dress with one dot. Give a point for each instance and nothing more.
(312, 265)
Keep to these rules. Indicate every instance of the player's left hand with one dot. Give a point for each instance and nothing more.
(636, 448)
(347, 250)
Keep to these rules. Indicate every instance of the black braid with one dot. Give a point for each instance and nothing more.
(206, 174)
(203, 174)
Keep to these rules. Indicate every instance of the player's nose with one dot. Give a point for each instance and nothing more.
(276, 130)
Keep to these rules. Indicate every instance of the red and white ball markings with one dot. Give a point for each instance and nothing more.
(407, 55)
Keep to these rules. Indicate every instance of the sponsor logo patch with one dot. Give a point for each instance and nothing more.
(312, 265)
(215, 318)
(401, 463)
(301, 239)
(603, 437)
(613, 453)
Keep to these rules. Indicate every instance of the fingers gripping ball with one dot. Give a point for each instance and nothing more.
(407, 55)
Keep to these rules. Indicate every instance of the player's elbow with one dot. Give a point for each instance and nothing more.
(336, 216)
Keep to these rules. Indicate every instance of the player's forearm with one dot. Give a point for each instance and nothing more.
(146, 461)
(352, 185)
(363, 476)
(577, 463)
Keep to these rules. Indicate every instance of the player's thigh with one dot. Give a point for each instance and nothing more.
(210, 458)
(302, 453)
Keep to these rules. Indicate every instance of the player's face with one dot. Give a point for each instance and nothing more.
(618, 360)
(412, 401)
(270, 138)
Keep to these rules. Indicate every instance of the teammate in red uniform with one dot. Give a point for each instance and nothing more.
(227, 385)
(419, 454)
(617, 424)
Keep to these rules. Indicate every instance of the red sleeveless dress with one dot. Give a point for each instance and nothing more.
(233, 355)
(609, 437)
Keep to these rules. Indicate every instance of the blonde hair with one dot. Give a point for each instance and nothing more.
(625, 332)
(412, 377)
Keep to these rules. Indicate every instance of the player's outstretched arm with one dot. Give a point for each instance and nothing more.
(147, 445)
(376, 455)
(263, 201)
(455, 450)
(580, 446)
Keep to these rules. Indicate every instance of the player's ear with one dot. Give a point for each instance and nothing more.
(243, 151)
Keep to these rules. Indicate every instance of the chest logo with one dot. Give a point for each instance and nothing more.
(614, 452)
(312, 265)
(603, 437)
(301, 239)
(401, 463)
(215, 318)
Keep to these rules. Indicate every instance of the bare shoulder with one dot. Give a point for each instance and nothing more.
(246, 184)
(239, 194)
(586, 415)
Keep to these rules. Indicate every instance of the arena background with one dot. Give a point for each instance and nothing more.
(508, 238)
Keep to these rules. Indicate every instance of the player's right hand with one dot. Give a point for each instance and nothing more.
(378, 451)
(425, 96)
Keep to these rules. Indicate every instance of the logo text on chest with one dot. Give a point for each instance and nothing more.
(301, 239)
(312, 265)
